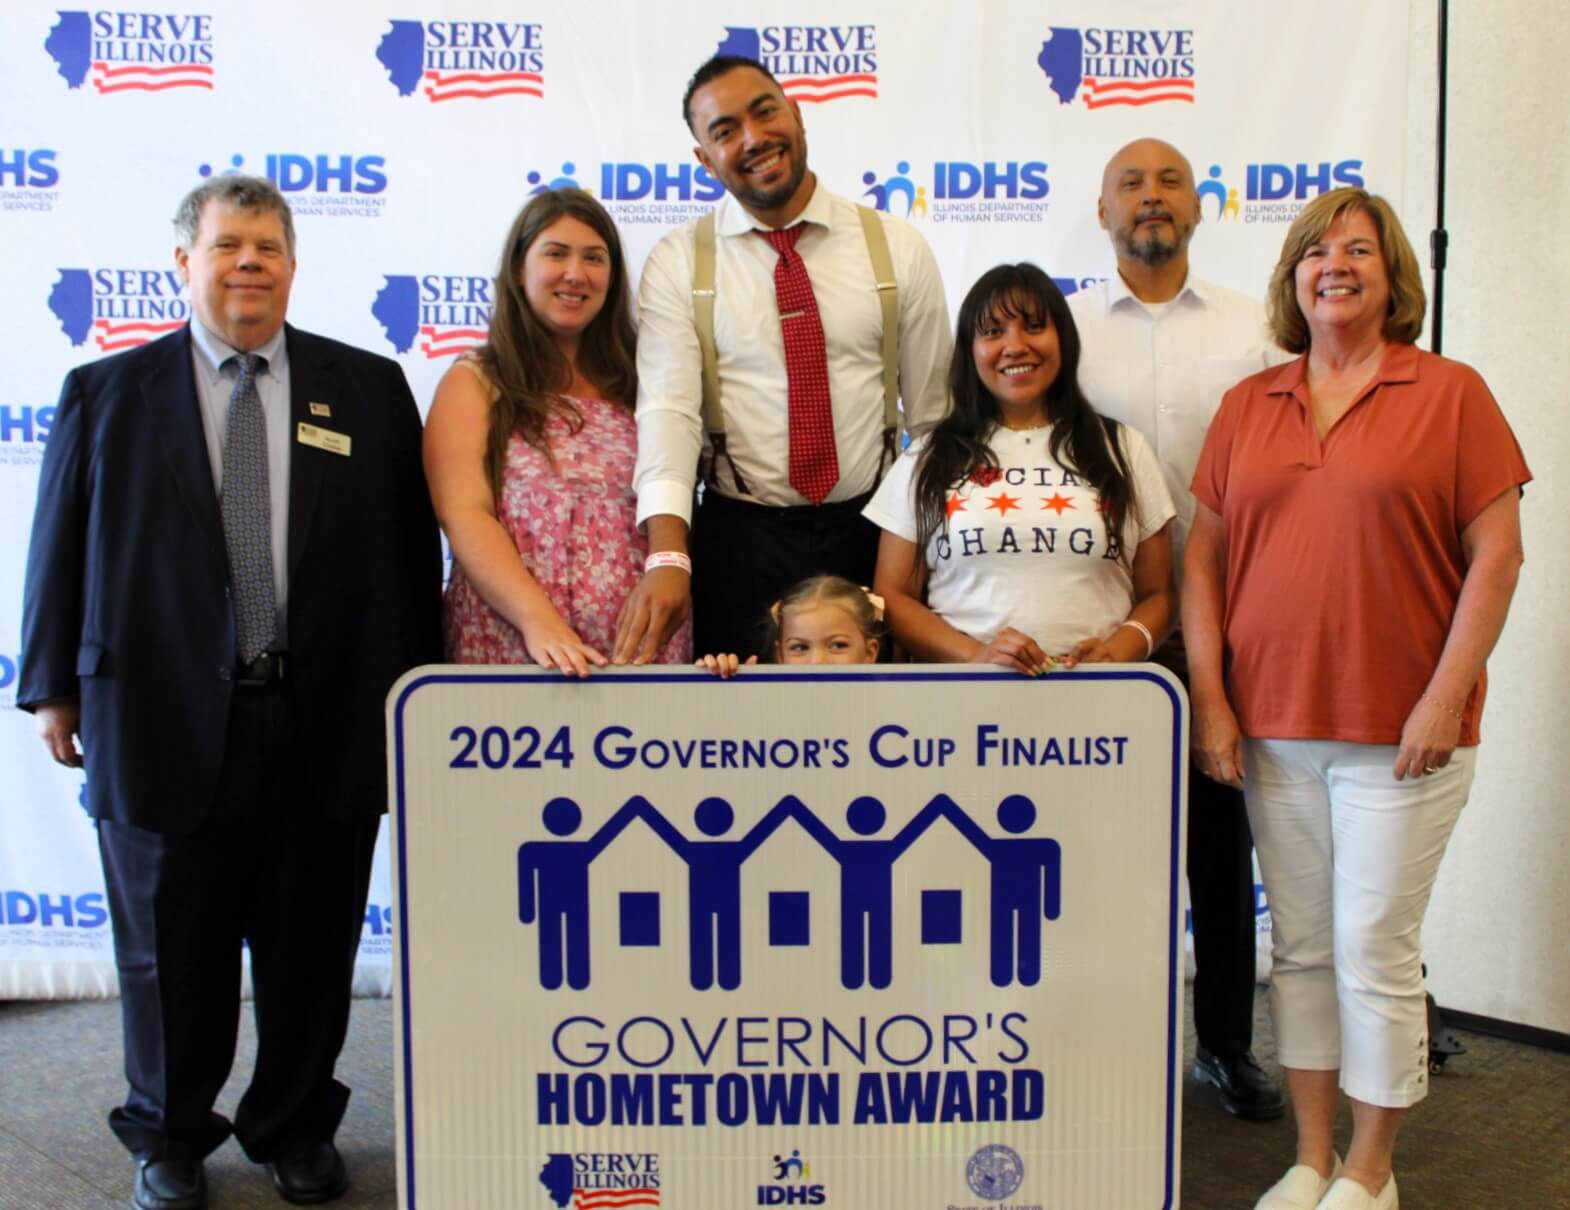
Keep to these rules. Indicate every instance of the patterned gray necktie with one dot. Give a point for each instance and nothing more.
(246, 504)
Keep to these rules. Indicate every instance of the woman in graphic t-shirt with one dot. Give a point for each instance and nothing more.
(1025, 529)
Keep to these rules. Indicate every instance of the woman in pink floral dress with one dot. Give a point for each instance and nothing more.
(529, 452)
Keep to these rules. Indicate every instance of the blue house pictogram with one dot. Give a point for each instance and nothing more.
(1024, 874)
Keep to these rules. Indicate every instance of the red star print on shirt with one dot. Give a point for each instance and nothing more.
(1003, 502)
(1057, 502)
(954, 505)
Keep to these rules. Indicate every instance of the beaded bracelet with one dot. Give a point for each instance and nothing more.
(1458, 715)
(668, 558)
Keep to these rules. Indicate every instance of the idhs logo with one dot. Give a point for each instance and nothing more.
(992, 191)
(294, 173)
(28, 425)
(29, 169)
(1273, 192)
(797, 1191)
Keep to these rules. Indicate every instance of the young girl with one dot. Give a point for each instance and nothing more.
(821, 620)
(1024, 529)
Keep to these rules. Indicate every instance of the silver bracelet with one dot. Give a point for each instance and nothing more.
(1150, 639)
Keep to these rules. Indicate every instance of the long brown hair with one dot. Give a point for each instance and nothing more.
(527, 369)
(1080, 438)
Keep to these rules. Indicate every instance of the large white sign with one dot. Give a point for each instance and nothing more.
(867, 938)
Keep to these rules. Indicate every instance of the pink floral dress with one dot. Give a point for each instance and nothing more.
(574, 524)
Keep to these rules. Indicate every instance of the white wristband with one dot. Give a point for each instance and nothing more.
(668, 558)
(1150, 639)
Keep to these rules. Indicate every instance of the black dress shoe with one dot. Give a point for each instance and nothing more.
(1246, 1091)
(169, 1185)
(309, 1173)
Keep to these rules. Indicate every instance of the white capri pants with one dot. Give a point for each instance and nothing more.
(1349, 856)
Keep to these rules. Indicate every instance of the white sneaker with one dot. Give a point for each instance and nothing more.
(1347, 1194)
(1300, 1189)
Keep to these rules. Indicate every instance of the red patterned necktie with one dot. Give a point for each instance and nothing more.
(814, 463)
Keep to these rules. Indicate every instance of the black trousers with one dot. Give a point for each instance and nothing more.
(1221, 897)
(745, 555)
(266, 869)
(1221, 894)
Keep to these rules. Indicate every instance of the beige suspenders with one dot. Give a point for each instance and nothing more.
(703, 276)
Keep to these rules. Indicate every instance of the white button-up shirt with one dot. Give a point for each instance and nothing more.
(751, 354)
(1163, 368)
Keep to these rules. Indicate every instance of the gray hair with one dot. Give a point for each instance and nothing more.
(232, 189)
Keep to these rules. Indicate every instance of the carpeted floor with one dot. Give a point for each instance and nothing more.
(1495, 1134)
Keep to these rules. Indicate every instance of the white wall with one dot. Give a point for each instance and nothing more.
(1495, 936)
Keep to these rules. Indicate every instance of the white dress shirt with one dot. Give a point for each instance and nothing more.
(751, 354)
(215, 379)
(1163, 368)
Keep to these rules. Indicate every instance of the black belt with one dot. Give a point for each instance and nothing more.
(269, 668)
(787, 512)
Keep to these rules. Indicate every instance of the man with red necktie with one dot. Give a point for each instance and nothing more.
(778, 364)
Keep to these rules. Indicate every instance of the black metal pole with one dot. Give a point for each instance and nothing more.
(1439, 238)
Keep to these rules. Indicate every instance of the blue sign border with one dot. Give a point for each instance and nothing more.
(759, 676)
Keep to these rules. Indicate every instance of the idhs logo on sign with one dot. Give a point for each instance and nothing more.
(961, 191)
(794, 1187)
(657, 193)
(1274, 193)
(321, 186)
(28, 178)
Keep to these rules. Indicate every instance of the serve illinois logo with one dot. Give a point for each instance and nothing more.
(119, 307)
(452, 60)
(1105, 67)
(133, 52)
(447, 313)
(603, 1180)
(812, 62)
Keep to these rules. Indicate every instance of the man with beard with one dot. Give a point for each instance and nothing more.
(1160, 349)
(798, 368)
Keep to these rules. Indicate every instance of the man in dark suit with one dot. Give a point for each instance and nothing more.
(233, 558)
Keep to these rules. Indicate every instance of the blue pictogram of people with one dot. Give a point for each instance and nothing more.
(1025, 876)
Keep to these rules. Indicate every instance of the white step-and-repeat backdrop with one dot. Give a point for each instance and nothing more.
(406, 137)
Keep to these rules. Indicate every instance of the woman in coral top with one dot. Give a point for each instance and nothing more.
(1354, 553)
(529, 451)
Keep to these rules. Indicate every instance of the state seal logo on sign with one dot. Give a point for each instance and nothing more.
(995, 1172)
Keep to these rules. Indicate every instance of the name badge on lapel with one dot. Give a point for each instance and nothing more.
(323, 439)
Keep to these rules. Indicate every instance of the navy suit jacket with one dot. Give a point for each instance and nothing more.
(127, 603)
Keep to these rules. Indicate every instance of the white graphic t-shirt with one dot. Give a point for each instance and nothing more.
(1028, 547)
